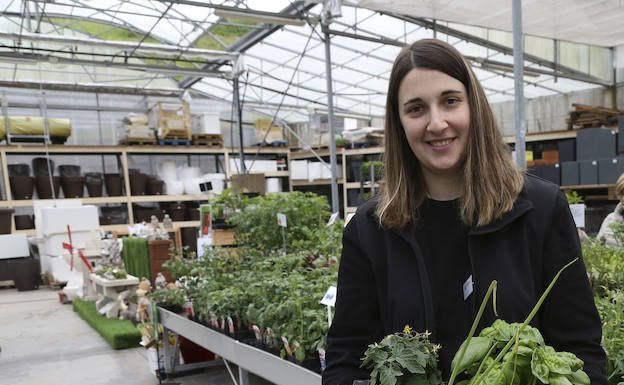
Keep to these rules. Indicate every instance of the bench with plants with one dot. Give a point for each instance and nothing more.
(267, 291)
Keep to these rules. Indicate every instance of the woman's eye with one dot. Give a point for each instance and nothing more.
(414, 108)
(452, 100)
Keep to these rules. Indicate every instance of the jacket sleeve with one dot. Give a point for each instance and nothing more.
(568, 318)
(605, 234)
(356, 323)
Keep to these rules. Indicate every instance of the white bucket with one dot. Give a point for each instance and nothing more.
(273, 185)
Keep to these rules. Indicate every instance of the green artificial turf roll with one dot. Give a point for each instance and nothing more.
(136, 257)
(120, 334)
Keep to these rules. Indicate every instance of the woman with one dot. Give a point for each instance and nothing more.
(606, 233)
(455, 214)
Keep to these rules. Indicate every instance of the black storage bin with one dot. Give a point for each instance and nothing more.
(567, 150)
(550, 172)
(569, 173)
(609, 170)
(588, 172)
(620, 141)
(26, 273)
(595, 143)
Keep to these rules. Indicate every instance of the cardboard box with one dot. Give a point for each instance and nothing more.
(267, 132)
(248, 183)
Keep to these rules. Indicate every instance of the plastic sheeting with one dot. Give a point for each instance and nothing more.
(28, 125)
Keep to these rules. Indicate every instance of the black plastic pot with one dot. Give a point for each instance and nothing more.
(5, 220)
(94, 182)
(40, 166)
(18, 169)
(69, 170)
(43, 188)
(73, 186)
(24, 222)
(113, 184)
(138, 183)
(154, 186)
(22, 186)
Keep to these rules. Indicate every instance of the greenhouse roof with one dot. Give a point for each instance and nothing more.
(277, 50)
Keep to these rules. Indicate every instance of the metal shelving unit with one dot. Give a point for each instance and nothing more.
(246, 357)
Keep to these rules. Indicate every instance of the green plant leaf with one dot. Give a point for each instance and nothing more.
(475, 352)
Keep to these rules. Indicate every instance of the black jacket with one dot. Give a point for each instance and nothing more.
(383, 284)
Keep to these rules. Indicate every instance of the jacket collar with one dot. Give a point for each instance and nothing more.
(521, 206)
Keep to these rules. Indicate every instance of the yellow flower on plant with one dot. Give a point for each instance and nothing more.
(407, 329)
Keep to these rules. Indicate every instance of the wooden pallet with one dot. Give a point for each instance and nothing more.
(138, 142)
(174, 142)
(208, 140)
(585, 116)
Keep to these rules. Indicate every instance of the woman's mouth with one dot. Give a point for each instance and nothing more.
(440, 143)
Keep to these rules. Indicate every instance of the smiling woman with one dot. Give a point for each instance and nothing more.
(454, 215)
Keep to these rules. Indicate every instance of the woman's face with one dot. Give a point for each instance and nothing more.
(434, 112)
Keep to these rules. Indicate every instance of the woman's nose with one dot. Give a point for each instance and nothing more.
(437, 120)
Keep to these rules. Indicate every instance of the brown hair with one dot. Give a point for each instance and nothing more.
(619, 187)
(491, 181)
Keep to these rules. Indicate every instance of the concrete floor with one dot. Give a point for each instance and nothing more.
(45, 342)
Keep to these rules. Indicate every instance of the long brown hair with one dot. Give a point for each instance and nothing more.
(491, 181)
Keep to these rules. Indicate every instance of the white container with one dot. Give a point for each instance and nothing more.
(206, 124)
(314, 170)
(191, 186)
(174, 187)
(217, 181)
(186, 173)
(299, 169)
(273, 185)
(168, 170)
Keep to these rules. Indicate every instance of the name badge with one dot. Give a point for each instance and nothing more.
(468, 287)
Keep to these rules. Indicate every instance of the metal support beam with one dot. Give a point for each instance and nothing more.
(330, 117)
(518, 51)
(239, 125)
(564, 71)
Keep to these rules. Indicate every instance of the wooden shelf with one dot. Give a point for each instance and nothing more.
(541, 136)
(316, 182)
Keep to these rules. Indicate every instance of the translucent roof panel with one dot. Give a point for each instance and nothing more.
(151, 45)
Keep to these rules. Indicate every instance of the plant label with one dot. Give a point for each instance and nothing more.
(329, 298)
(332, 219)
(281, 220)
(578, 213)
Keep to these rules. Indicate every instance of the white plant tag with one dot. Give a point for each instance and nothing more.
(332, 219)
(281, 220)
(329, 298)
(468, 287)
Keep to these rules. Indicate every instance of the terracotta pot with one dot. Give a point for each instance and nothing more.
(113, 184)
(22, 187)
(43, 188)
(73, 186)
(5, 220)
(94, 182)
(18, 169)
(24, 222)
(40, 166)
(138, 184)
